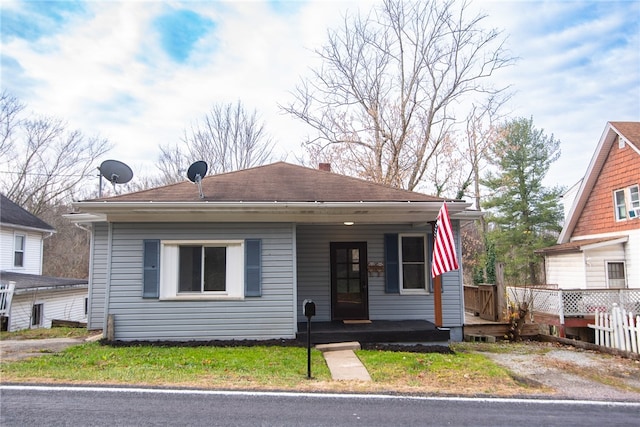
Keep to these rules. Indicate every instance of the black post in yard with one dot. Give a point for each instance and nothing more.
(309, 310)
(309, 347)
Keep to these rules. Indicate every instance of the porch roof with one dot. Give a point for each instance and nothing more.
(582, 244)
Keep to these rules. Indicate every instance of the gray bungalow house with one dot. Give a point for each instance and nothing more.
(238, 262)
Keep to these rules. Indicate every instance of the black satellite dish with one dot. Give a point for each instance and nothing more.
(196, 172)
(116, 173)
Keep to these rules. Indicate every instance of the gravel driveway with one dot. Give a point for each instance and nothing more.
(574, 373)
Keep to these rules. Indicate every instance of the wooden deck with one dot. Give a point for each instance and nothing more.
(376, 331)
(474, 325)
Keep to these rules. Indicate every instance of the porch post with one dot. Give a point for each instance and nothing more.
(437, 299)
(561, 329)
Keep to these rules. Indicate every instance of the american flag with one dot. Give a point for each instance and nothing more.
(444, 248)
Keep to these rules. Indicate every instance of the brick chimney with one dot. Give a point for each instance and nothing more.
(325, 167)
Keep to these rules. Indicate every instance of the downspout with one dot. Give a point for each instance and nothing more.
(107, 290)
(90, 278)
(294, 239)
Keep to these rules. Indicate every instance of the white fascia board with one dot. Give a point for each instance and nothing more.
(85, 218)
(7, 226)
(305, 212)
(622, 239)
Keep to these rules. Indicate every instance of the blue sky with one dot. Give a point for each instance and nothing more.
(140, 72)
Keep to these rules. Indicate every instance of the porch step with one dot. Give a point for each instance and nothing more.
(339, 346)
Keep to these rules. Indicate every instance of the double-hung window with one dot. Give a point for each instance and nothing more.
(413, 263)
(634, 196)
(627, 203)
(18, 250)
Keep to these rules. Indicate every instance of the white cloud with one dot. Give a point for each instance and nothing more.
(105, 71)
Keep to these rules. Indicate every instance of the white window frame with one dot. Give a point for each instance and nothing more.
(631, 197)
(617, 206)
(19, 250)
(169, 273)
(425, 289)
(624, 272)
(634, 202)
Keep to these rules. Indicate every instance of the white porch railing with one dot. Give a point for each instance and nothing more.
(6, 294)
(574, 302)
(618, 329)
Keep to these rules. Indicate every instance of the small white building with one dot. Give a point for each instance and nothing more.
(27, 298)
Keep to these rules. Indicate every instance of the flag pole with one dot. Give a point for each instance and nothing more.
(437, 290)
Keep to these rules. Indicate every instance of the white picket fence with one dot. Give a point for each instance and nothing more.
(617, 329)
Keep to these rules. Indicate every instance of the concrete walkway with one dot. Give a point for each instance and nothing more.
(343, 362)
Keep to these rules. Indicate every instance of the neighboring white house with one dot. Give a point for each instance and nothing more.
(599, 246)
(28, 299)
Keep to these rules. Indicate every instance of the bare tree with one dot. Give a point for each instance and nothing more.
(66, 252)
(10, 109)
(228, 138)
(48, 161)
(390, 82)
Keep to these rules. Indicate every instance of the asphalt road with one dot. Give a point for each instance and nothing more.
(102, 406)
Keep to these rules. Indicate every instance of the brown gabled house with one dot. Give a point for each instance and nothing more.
(237, 259)
(599, 246)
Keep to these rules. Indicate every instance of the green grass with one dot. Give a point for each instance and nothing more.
(270, 367)
(40, 333)
(461, 372)
(263, 367)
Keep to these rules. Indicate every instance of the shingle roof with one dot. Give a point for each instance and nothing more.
(630, 130)
(11, 213)
(282, 182)
(576, 245)
(34, 281)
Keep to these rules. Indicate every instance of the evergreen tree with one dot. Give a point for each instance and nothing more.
(523, 214)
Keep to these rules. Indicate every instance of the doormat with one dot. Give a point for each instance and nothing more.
(355, 322)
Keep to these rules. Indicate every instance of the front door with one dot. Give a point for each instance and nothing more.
(349, 285)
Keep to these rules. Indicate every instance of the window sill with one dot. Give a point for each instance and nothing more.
(414, 292)
(202, 298)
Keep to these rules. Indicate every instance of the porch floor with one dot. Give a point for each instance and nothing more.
(378, 331)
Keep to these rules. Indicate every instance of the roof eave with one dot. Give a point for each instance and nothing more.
(595, 166)
(301, 212)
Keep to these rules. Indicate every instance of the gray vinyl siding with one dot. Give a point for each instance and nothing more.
(265, 317)
(98, 276)
(314, 275)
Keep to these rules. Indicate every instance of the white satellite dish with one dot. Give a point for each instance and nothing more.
(196, 172)
(116, 173)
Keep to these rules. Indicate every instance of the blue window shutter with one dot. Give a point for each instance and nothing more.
(151, 276)
(253, 268)
(391, 264)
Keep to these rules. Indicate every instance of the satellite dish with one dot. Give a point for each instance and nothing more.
(196, 172)
(116, 173)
